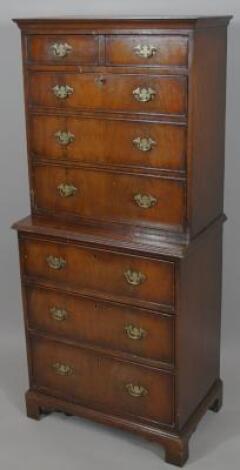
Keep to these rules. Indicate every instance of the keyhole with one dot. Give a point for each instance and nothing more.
(100, 81)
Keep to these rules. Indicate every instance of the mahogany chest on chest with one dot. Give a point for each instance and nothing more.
(121, 255)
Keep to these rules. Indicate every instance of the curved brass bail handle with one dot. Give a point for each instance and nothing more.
(66, 190)
(144, 144)
(55, 262)
(136, 391)
(145, 201)
(145, 50)
(60, 50)
(135, 278)
(64, 137)
(62, 369)
(144, 95)
(135, 333)
(58, 314)
(62, 91)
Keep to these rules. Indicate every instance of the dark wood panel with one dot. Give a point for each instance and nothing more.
(121, 328)
(110, 196)
(100, 271)
(198, 322)
(63, 49)
(106, 141)
(153, 50)
(207, 128)
(110, 92)
(102, 382)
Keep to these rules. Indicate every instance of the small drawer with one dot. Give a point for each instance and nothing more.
(110, 92)
(130, 278)
(70, 49)
(105, 141)
(102, 383)
(148, 50)
(110, 196)
(126, 329)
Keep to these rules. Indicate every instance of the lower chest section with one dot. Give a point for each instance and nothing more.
(101, 328)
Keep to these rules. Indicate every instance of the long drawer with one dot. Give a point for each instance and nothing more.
(103, 383)
(130, 278)
(109, 92)
(109, 196)
(121, 328)
(105, 141)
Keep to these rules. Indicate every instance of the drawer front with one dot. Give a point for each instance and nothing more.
(110, 92)
(108, 273)
(101, 382)
(125, 329)
(109, 196)
(66, 49)
(105, 141)
(147, 50)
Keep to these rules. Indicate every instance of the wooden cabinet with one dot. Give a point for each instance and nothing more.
(121, 255)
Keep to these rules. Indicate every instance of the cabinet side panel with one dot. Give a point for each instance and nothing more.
(207, 127)
(198, 323)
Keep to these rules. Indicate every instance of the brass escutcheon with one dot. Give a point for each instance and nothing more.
(136, 391)
(145, 50)
(144, 143)
(135, 333)
(59, 49)
(64, 137)
(144, 94)
(55, 262)
(62, 369)
(145, 201)
(58, 314)
(62, 91)
(66, 190)
(135, 278)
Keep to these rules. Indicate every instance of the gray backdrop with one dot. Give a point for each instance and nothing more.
(57, 442)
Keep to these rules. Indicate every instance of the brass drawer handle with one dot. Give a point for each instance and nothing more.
(144, 143)
(135, 333)
(66, 190)
(61, 50)
(145, 201)
(144, 94)
(56, 263)
(62, 91)
(58, 314)
(135, 278)
(62, 369)
(136, 391)
(145, 50)
(64, 137)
